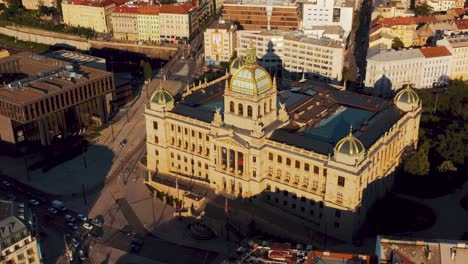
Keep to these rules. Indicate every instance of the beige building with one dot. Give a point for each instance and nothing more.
(89, 14)
(175, 23)
(441, 5)
(458, 46)
(148, 24)
(219, 42)
(34, 4)
(292, 150)
(16, 243)
(125, 23)
(292, 54)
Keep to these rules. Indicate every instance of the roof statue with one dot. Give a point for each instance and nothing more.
(283, 113)
(251, 79)
(218, 119)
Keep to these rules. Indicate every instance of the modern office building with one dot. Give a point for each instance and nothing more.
(17, 243)
(219, 42)
(327, 13)
(294, 55)
(312, 151)
(263, 14)
(44, 99)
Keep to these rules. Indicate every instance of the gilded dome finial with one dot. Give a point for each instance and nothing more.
(351, 129)
(251, 55)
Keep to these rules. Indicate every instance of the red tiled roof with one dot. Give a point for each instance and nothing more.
(149, 10)
(461, 11)
(126, 9)
(177, 9)
(461, 23)
(393, 21)
(432, 52)
(102, 3)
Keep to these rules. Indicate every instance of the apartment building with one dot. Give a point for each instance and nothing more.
(148, 24)
(89, 14)
(394, 8)
(219, 42)
(175, 22)
(125, 23)
(34, 4)
(263, 14)
(328, 12)
(45, 99)
(423, 67)
(441, 5)
(458, 46)
(293, 55)
(17, 245)
(311, 151)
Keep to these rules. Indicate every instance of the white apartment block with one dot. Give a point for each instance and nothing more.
(219, 42)
(458, 46)
(441, 5)
(423, 68)
(328, 12)
(290, 54)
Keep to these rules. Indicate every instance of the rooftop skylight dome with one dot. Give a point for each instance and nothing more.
(349, 149)
(251, 79)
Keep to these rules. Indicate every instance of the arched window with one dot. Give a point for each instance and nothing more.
(241, 109)
(265, 108)
(271, 108)
(231, 107)
(249, 111)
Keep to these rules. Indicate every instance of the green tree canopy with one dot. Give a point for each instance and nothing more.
(147, 71)
(447, 167)
(397, 43)
(451, 143)
(423, 10)
(418, 163)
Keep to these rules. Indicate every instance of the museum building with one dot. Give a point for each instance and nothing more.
(316, 152)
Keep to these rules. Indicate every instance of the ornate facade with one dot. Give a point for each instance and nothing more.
(291, 149)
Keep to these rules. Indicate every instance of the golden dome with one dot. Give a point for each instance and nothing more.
(251, 79)
(161, 96)
(236, 64)
(407, 95)
(350, 145)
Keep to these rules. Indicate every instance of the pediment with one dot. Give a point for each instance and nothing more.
(235, 141)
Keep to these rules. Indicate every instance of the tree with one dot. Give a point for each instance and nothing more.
(447, 167)
(418, 163)
(397, 43)
(147, 72)
(451, 144)
(423, 10)
(168, 2)
(346, 74)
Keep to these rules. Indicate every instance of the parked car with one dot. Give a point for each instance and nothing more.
(33, 202)
(82, 255)
(96, 222)
(69, 218)
(82, 217)
(52, 211)
(124, 142)
(88, 226)
(75, 242)
(72, 226)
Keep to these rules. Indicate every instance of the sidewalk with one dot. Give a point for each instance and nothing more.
(103, 254)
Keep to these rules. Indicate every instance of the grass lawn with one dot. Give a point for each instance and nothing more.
(393, 215)
(23, 45)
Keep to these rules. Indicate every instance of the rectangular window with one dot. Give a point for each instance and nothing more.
(156, 140)
(341, 181)
(339, 197)
(270, 156)
(298, 164)
(288, 161)
(306, 167)
(316, 170)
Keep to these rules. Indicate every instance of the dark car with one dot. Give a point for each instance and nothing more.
(124, 142)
